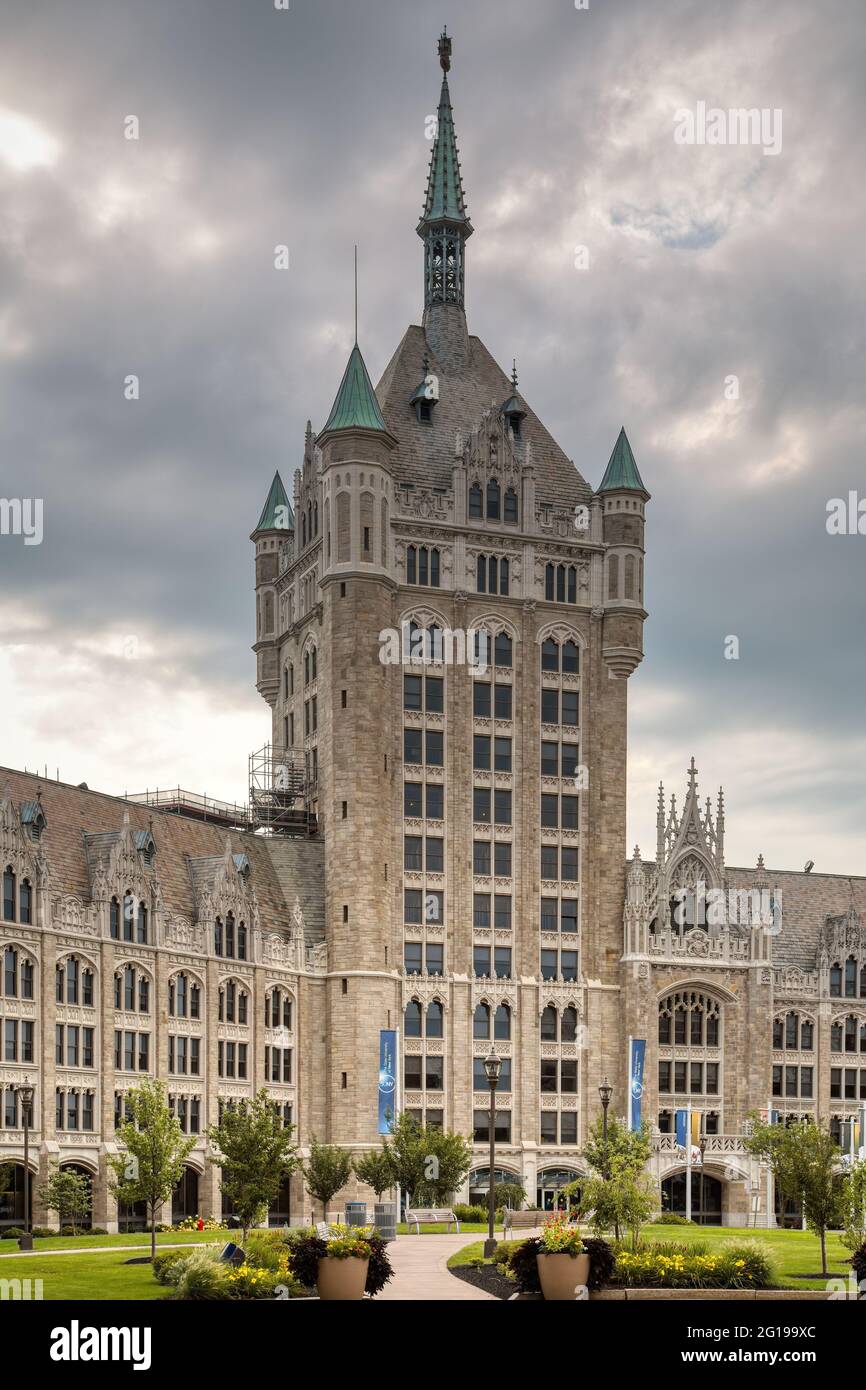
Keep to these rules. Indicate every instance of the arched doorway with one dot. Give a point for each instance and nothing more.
(12, 1196)
(479, 1183)
(184, 1199)
(706, 1197)
(82, 1221)
(280, 1209)
(549, 1193)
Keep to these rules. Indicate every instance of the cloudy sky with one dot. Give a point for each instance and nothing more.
(125, 636)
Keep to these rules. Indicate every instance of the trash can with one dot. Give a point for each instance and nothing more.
(385, 1220)
(356, 1213)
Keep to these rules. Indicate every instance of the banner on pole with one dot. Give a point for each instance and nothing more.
(636, 1066)
(387, 1079)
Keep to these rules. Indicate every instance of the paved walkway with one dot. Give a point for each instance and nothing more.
(17, 1254)
(420, 1273)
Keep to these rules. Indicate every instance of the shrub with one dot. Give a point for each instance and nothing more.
(504, 1251)
(11, 1233)
(43, 1231)
(203, 1277)
(190, 1223)
(672, 1218)
(601, 1261)
(523, 1265)
(346, 1243)
(168, 1267)
(267, 1250)
(475, 1216)
(858, 1263)
(733, 1265)
(251, 1282)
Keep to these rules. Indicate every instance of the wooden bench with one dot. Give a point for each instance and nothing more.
(522, 1220)
(431, 1216)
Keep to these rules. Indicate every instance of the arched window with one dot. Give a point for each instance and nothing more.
(549, 581)
(510, 514)
(481, 574)
(568, 1030)
(476, 501)
(128, 916)
(411, 565)
(493, 574)
(836, 981)
(114, 919)
(413, 1020)
(142, 925)
(434, 569)
(549, 655)
(503, 577)
(242, 941)
(572, 584)
(492, 500)
(435, 1019)
(502, 1023)
(613, 576)
(10, 973)
(549, 1024)
(850, 978)
(9, 894)
(423, 571)
(570, 658)
(218, 937)
(481, 1021)
(502, 649)
(560, 583)
(230, 935)
(25, 903)
(689, 1019)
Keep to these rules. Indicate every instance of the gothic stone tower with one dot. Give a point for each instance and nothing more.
(473, 816)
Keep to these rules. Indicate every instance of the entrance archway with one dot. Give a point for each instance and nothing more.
(479, 1183)
(131, 1217)
(184, 1199)
(549, 1194)
(706, 1197)
(12, 1196)
(84, 1221)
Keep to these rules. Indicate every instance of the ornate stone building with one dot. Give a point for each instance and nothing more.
(434, 846)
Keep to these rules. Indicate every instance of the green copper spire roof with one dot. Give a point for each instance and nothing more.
(445, 201)
(277, 514)
(355, 406)
(621, 471)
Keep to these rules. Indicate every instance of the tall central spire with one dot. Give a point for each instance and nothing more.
(444, 226)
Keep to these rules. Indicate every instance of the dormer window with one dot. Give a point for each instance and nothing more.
(425, 412)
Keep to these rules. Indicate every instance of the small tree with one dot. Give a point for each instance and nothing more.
(156, 1148)
(447, 1160)
(508, 1194)
(620, 1192)
(326, 1170)
(374, 1169)
(804, 1160)
(852, 1201)
(254, 1151)
(406, 1152)
(69, 1194)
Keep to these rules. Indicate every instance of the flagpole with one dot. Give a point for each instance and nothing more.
(770, 1172)
(689, 1162)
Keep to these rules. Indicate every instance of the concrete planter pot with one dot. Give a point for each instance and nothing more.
(342, 1281)
(562, 1276)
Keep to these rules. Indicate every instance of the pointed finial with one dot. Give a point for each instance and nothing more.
(636, 854)
(514, 372)
(693, 772)
(356, 296)
(760, 861)
(444, 50)
(426, 364)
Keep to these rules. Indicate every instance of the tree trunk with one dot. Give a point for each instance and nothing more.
(152, 1232)
(824, 1252)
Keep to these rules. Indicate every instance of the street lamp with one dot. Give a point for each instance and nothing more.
(703, 1148)
(492, 1066)
(605, 1092)
(25, 1093)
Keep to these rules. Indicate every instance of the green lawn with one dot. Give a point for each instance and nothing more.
(87, 1277)
(470, 1227)
(9, 1247)
(792, 1252)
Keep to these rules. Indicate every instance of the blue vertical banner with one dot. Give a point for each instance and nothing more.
(387, 1079)
(636, 1066)
(682, 1128)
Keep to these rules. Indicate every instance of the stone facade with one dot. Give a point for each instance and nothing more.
(465, 881)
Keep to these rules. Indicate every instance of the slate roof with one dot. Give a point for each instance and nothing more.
(355, 403)
(277, 498)
(79, 819)
(807, 900)
(425, 455)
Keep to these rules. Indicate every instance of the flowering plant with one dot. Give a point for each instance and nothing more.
(559, 1237)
